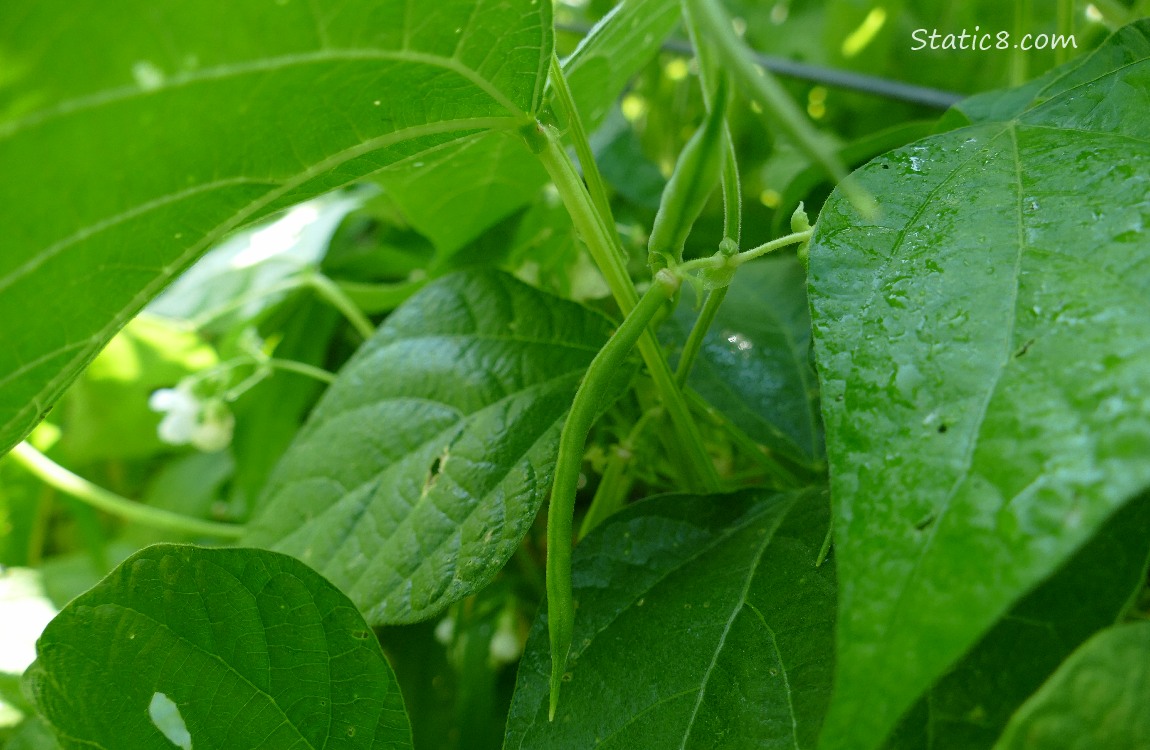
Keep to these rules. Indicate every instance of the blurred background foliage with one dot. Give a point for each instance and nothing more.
(300, 289)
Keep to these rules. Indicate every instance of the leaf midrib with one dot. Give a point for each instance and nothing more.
(753, 570)
(897, 609)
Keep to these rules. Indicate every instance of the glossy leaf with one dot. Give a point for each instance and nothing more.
(755, 362)
(1097, 699)
(215, 648)
(700, 622)
(983, 358)
(425, 463)
(200, 118)
(971, 705)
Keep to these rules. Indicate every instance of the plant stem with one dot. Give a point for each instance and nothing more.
(330, 292)
(591, 227)
(720, 261)
(65, 481)
(595, 185)
(585, 409)
(301, 368)
(698, 333)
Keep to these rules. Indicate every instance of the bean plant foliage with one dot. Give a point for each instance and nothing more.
(379, 374)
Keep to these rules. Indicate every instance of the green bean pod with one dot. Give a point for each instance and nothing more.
(590, 400)
(695, 176)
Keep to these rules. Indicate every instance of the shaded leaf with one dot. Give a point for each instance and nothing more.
(425, 463)
(755, 363)
(190, 127)
(1097, 699)
(971, 705)
(983, 349)
(700, 622)
(239, 647)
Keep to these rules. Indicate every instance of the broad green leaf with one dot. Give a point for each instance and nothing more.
(453, 193)
(971, 705)
(1127, 45)
(477, 181)
(700, 622)
(618, 46)
(425, 463)
(215, 648)
(983, 356)
(201, 118)
(1097, 699)
(755, 362)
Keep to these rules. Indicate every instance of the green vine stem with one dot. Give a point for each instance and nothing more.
(591, 175)
(588, 403)
(329, 291)
(729, 180)
(701, 474)
(720, 261)
(91, 494)
(699, 332)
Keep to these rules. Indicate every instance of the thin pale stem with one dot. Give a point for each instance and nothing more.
(330, 291)
(720, 261)
(97, 497)
(596, 187)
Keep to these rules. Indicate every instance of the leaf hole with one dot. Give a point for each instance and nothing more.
(942, 428)
(925, 522)
(1023, 349)
(437, 467)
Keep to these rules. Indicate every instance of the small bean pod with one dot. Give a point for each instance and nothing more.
(590, 401)
(694, 179)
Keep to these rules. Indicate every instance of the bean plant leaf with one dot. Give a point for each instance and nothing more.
(425, 463)
(700, 622)
(621, 43)
(483, 178)
(186, 647)
(970, 706)
(1098, 698)
(755, 362)
(203, 117)
(983, 349)
(475, 181)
